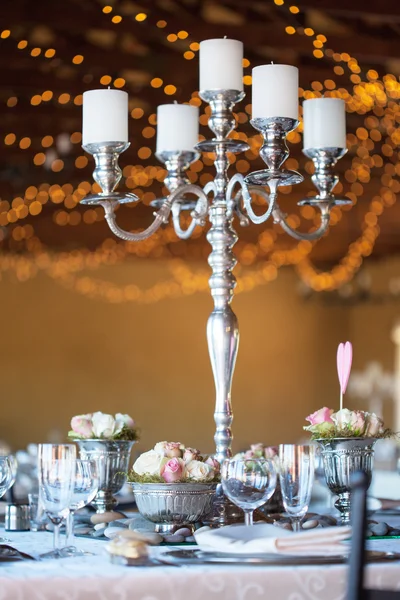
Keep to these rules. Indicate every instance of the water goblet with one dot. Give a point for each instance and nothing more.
(248, 483)
(6, 479)
(85, 487)
(296, 475)
(56, 478)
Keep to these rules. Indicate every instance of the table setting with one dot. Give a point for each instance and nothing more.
(173, 533)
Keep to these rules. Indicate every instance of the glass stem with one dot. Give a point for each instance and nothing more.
(56, 536)
(296, 524)
(248, 517)
(69, 529)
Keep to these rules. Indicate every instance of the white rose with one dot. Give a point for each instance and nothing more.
(352, 420)
(150, 463)
(103, 425)
(373, 425)
(161, 447)
(122, 421)
(199, 471)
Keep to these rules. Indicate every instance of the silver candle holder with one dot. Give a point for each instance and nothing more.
(218, 202)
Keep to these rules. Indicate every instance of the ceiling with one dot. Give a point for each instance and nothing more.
(53, 51)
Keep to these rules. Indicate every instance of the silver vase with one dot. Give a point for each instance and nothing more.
(112, 458)
(341, 457)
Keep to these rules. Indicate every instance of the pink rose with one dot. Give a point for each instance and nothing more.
(373, 425)
(190, 454)
(173, 450)
(271, 452)
(352, 420)
(249, 454)
(82, 425)
(323, 415)
(213, 463)
(173, 470)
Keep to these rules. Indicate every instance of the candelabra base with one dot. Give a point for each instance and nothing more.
(282, 177)
(224, 512)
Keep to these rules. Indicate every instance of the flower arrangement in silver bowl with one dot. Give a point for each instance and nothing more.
(346, 438)
(108, 440)
(174, 485)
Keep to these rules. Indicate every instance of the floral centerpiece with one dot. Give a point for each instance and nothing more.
(172, 462)
(108, 440)
(346, 438)
(102, 426)
(345, 423)
(174, 485)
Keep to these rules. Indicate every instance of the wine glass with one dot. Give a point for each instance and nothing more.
(296, 474)
(56, 479)
(248, 483)
(6, 479)
(85, 487)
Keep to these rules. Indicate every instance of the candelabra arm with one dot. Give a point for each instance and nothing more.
(198, 215)
(280, 218)
(161, 217)
(270, 197)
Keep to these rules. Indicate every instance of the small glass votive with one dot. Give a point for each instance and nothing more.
(35, 513)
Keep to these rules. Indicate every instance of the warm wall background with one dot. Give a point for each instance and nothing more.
(63, 354)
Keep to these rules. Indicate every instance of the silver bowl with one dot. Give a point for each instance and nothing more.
(171, 504)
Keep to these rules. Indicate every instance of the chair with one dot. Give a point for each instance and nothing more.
(355, 588)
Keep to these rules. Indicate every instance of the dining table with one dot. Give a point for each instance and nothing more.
(94, 577)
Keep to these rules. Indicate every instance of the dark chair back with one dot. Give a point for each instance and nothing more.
(355, 588)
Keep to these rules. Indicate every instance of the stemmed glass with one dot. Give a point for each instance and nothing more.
(85, 487)
(6, 479)
(296, 474)
(248, 483)
(56, 479)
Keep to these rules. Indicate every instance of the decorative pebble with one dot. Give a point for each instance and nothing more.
(394, 532)
(111, 532)
(83, 530)
(118, 524)
(369, 533)
(174, 539)
(136, 524)
(283, 525)
(328, 519)
(98, 532)
(190, 539)
(100, 526)
(184, 531)
(379, 529)
(311, 524)
(106, 517)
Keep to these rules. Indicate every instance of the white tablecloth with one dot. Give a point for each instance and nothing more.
(94, 578)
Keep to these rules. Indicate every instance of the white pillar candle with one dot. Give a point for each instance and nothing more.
(177, 127)
(275, 91)
(324, 123)
(105, 116)
(221, 65)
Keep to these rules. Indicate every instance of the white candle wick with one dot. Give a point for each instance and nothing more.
(225, 36)
(272, 62)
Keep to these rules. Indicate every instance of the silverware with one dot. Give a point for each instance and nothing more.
(8, 552)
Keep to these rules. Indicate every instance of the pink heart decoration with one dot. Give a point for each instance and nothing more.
(344, 359)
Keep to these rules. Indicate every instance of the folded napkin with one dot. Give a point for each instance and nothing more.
(264, 538)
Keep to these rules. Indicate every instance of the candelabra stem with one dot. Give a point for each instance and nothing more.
(222, 326)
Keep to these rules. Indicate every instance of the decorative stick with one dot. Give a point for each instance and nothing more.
(344, 359)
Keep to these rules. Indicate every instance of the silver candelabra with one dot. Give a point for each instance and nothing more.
(219, 201)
